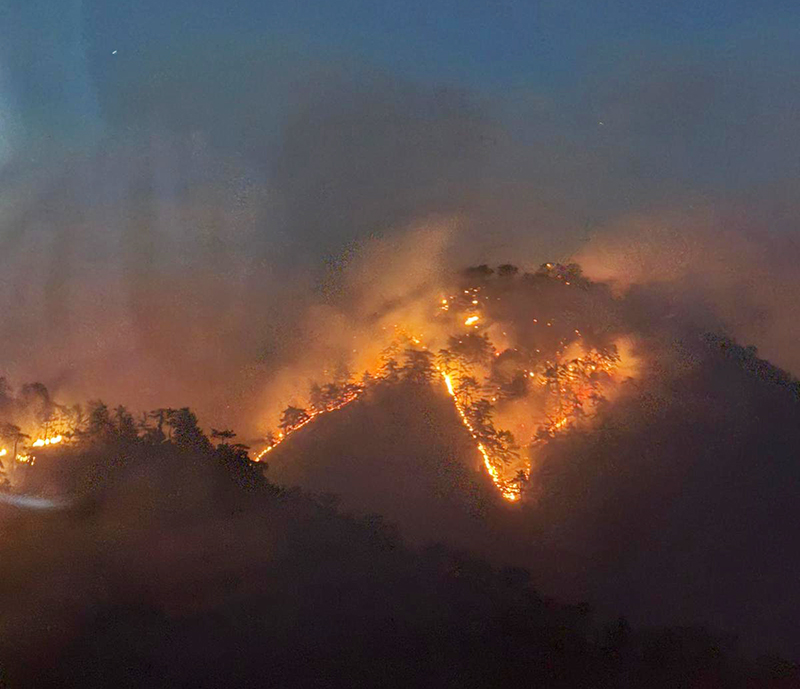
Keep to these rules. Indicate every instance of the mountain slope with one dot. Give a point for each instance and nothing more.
(678, 503)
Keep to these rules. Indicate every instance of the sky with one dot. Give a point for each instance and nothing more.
(62, 55)
(234, 155)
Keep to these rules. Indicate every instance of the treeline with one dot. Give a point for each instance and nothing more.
(95, 428)
(747, 358)
(412, 365)
(32, 412)
(256, 586)
(477, 275)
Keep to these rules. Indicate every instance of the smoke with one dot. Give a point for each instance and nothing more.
(201, 223)
(735, 263)
(217, 224)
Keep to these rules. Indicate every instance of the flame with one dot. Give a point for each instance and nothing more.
(568, 389)
(42, 442)
(346, 399)
(510, 492)
(567, 379)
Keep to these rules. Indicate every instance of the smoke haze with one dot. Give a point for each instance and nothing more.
(184, 212)
(212, 207)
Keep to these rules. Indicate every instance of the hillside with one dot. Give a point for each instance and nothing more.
(401, 451)
(651, 509)
(185, 567)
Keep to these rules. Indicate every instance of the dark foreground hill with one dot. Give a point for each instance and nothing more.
(678, 504)
(401, 451)
(184, 567)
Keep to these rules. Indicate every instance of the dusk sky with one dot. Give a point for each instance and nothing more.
(75, 66)
(282, 135)
(520, 277)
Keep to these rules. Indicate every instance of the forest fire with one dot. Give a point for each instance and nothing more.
(42, 442)
(541, 384)
(522, 358)
(297, 418)
(511, 492)
(22, 455)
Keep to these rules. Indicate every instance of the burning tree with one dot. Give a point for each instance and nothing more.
(13, 436)
(550, 375)
(467, 391)
(292, 418)
(390, 370)
(501, 444)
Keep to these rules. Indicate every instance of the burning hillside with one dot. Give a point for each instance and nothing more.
(522, 357)
(525, 388)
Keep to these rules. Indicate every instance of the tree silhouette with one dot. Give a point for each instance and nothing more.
(185, 431)
(125, 426)
(419, 367)
(223, 435)
(36, 397)
(367, 379)
(161, 416)
(99, 425)
(467, 391)
(472, 348)
(515, 388)
(331, 396)
(451, 363)
(292, 417)
(501, 444)
(480, 414)
(507, 270)
(316, 397)
(390, 370)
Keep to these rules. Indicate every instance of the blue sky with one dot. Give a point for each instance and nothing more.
(596, 109)
(485, 46)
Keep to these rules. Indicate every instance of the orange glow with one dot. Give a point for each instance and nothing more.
(311, 416)
(559, 394)
(42, 442)
(510, 492)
